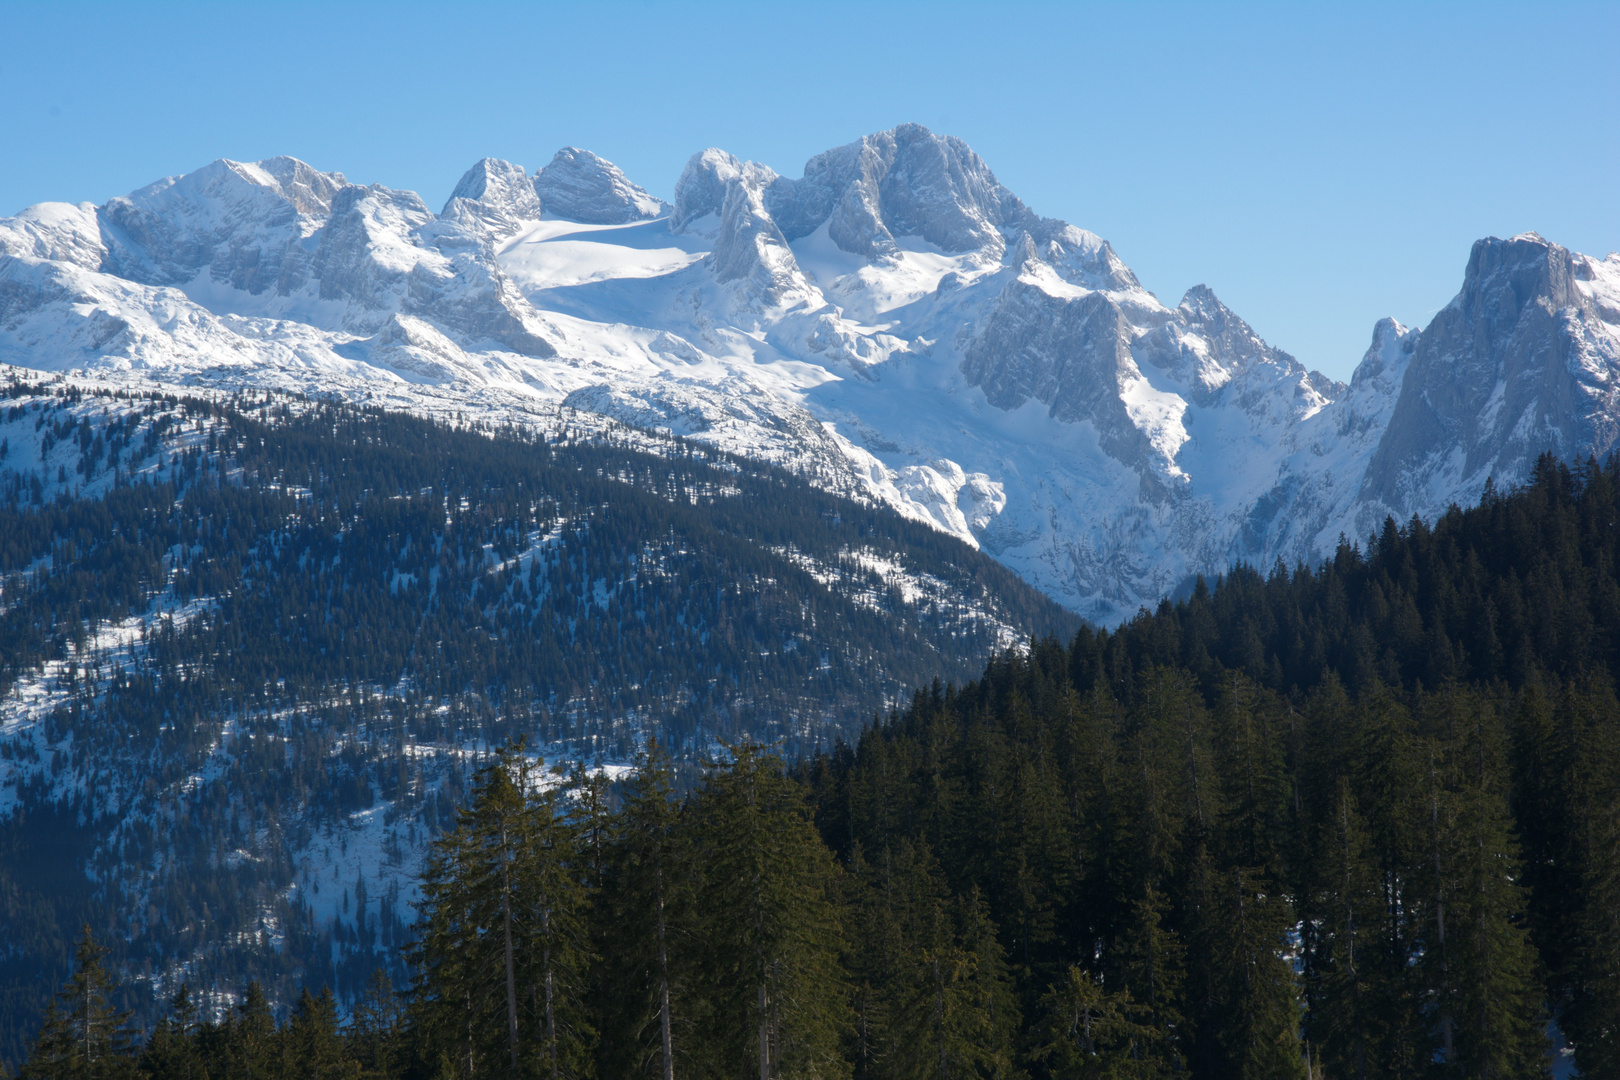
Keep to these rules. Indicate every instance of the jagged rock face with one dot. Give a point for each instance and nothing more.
(1522, 362)
(494, 196)
(701, 190)
(1085, 259)
(278, 238)
(308, 189)
(579, 186)
(233, 219)
(904, 182)
(357, 259)
(893, 324)
(1072, 354)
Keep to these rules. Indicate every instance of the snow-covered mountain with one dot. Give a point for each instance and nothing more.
(894, 323)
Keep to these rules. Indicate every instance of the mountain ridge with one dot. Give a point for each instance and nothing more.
(893, 323)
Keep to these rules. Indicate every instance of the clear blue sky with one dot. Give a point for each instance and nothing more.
(1318, 165)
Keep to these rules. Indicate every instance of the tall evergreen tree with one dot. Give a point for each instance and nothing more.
(172, 1051)
(1148, 965)
(1348, 909)
(1256, 1023)
(84, 1037)
(1090, 1034)
(315, 1049)
(376, 1033)
(642, 910)
(1499, 999)
(502, 951)
(774, 992)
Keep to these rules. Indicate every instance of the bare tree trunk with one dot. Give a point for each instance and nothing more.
(663, 981)
(511, 974)
(551, 992)
(1350, 930)
(764, 1033)
(1440, 919)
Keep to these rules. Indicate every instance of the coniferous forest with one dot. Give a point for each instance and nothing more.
(1361, 820)
(253, 651)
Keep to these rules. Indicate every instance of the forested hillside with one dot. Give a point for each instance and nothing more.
(1362, 821)
(252, 651)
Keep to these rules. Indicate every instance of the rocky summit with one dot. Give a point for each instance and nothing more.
(893, 324)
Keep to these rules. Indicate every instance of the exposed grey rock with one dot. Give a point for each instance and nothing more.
(579, 186)
(494, 196)
(749, 249)
(903, 182)
(1082, 258)
(350, 261)
(1217, 355)
(1071, 354)
(1520, 363)
(231, 218)
(308, 189)
(701, 190)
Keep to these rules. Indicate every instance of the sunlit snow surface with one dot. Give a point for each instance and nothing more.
(1008, 381)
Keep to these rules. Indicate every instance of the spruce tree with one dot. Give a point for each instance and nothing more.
(775, 1000)
(1148, 965)
(1596, 1010)
(1348, 977)
(314, 1045)
(252, 1048)
(1498, 997)
(503, 950)
(1090, 1034)
(172, 1052)
(953, 1010)
(376, 1033)
(1256, 1019)
(83, 1037)
(641, 911)
(552, 903)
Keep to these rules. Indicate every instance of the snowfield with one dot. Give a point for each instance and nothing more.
(894, 325)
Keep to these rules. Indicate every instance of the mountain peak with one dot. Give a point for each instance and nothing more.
(1392, 343)
(1200, 302)
(580, 186)
(495, 194)
(306, 187)
(702, 188)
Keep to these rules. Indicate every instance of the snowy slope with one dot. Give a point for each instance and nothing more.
(894, 323)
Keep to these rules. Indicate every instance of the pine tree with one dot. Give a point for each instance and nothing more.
(1349, 911)
(376, 1033)
(503, 950)
(1597, 1009)
(774, 994)
(1498, 997)
(172, 1052)
(552, 905)
(252, 1047)
(1148, 965)
(953, 1011)
(641, 911)
(1256, 1020)
(84, 1037)
(468, 946)
(1090, 1034)
(314, 1046)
